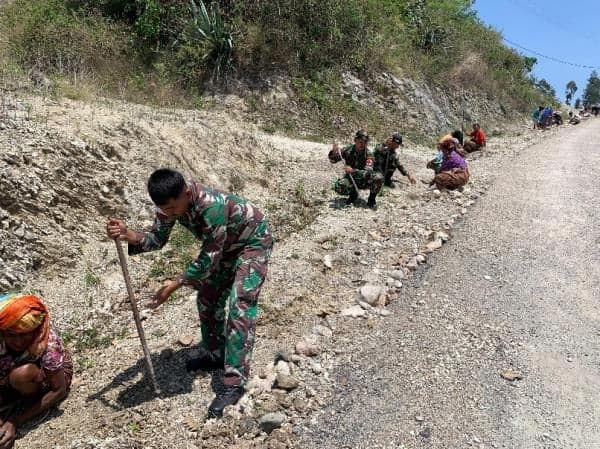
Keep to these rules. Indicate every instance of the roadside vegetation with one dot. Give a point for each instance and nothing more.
(170, 52)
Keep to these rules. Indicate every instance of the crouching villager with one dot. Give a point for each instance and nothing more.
(477, 139)
(228, 273)
(574, 119)
(387, 161)
(358, 160)
(453, 172)
(35, 368)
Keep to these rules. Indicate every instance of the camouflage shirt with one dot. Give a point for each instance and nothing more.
(224, 223)
(358, 160)
(386, 158)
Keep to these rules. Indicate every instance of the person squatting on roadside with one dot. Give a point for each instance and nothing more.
(477, 139)
(229, 271)
(453, 172)
(387, 160)
(358, 160)
(35, 368)
(536, 116)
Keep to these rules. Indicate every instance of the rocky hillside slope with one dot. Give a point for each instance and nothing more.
(72, 164)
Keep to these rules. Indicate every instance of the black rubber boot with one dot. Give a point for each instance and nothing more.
(352, 197)
(205, 362)
(229, 395)
(371, 201)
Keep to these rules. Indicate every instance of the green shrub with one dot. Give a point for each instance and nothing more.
(48, 36)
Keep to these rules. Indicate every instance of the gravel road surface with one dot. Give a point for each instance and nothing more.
(495, 344)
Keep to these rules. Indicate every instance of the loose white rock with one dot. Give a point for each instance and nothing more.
(399, 275)
(371, 293)
(354, 311)
(271, 421)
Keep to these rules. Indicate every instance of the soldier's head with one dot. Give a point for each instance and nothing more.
(476, 126)
(394, 141)
(169, 191)
(361, 138)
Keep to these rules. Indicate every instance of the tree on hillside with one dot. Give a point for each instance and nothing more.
(545, 87)
(571, 89)
(591, 94)
(577, 103)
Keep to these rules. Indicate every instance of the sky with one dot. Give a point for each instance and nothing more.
(558, 29)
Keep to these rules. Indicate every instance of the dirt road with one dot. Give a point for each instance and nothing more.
(515, 293)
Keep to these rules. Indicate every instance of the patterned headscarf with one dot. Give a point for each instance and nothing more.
(22, 314)
(448, 142)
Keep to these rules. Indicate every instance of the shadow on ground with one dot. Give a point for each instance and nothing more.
(171, 376)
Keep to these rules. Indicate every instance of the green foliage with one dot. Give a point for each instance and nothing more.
(591, 95)
(91, 279)
(91, 338)
(49, 36)
(146, 47)
(205, 43)
(545, 88)
(570, 91)
(301, 195)
(148, 24)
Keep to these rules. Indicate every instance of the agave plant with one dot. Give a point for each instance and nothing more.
(218, 41)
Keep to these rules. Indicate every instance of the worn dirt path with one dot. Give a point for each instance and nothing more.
(518, 288)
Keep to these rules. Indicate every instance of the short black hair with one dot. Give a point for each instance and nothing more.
(165, 184)
(458, 135)
(362, 134)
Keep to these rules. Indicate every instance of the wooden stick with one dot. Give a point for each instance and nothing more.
(136, 315)
(349, 174)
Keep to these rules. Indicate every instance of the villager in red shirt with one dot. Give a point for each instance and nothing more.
(477, 139)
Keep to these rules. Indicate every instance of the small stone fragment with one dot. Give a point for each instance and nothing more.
(271, 421)
(511, 375)
(185, 340)
(354, 311)
(286, 382)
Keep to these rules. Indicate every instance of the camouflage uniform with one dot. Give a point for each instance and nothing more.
(364, 176)
(387, 161)
(229, 271)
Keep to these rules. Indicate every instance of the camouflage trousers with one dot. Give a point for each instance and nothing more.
(364, 180)
(234, 286)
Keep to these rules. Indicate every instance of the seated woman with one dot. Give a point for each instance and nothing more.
(34, 366)
(453, 172)
(435, 164)
(477, 139)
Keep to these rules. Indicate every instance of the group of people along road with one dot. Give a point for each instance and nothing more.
(236, 244)
(371, 169)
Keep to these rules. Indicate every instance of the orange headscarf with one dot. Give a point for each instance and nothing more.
(22, 314)
(447, 142)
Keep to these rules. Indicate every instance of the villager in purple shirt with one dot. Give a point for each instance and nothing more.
(454, 172)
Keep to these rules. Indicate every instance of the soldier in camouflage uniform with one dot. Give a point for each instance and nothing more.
(358, 160)
(230, 270)
(387, 160)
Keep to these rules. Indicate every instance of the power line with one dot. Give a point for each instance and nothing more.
(560, 61)
(537, 10)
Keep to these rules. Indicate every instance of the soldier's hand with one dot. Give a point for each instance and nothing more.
(348, 169)
(163, 293)
(116, 228)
